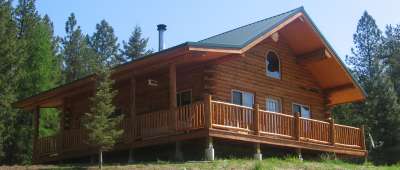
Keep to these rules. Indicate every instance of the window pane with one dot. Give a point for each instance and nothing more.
(248, 99)
(237, 97)
(296, 108)
(273, 105)
(302, 109)
(272, 64)
(186, 98)
(178, 99)
(305, 112)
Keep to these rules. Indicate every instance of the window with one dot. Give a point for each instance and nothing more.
(273, 105)
(304, 110)
(272, 65)
(184, 97)
(242, 98)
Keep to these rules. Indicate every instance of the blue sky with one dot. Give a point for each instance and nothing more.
(196, 20)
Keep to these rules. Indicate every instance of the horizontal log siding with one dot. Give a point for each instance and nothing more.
(248, 74)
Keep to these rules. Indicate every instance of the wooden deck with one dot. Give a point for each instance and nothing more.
(214, 119)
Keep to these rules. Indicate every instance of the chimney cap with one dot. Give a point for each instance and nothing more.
(161, 27)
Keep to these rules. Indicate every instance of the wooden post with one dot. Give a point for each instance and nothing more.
(60, 140)
(332, 129)
(362, 137)
(256, 119)
(208, 111)
(297, 126)
(36, 117)
(363, 146)
(172, 96)
(133, 106)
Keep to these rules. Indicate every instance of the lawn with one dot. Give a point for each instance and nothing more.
(245, 164)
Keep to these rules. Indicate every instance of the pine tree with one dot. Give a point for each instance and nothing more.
(9, 69)
(391, 54)
(104, 43)
(383, 119)
(101, 122)
(37, 66)
(136, 46)
(367, 41)
(380, 111)
(76, 54)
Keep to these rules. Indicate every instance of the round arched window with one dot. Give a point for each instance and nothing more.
(272, 65)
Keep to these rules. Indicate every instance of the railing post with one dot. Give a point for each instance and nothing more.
(297, 126)
(208, 111)
(332, 129)
(362, 137)
(256, 119)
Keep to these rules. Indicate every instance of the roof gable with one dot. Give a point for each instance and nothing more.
(242, 36)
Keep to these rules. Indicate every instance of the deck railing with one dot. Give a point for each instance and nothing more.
(231, 116)
(314, 130)
(190, 116)
(218, 115)
(276, 124)
(237, 118)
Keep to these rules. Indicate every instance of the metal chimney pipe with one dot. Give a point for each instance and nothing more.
(161, 28)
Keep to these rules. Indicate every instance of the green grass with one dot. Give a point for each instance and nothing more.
(288, 163)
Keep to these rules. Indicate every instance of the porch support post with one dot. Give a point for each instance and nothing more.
(258, 154)
(256, 117)
(332, 129)
(61, 133)
(209, 152)
(363, 146)
(208, 111)
(133, 105)
(297, 126)
(172, 95)
(36, 117)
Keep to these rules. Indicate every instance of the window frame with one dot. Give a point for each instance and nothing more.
(302, 105)
(273, 98)
(179, 100)
(242, 92)
(279, 65)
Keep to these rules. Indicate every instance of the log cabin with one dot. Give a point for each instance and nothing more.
(272, 83)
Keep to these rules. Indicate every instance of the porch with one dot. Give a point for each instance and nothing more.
(214, 119)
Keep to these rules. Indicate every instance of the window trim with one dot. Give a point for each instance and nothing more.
(182, 91)
(279, 65)
(309, 107)
(274, 98)
(242, 92)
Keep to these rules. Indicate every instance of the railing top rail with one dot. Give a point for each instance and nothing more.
(158, 111)
(314, 120)
(347, 126)
(276, 113)
(230, 104)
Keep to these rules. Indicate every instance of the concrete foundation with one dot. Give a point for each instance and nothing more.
(209, 151)
(178, 151)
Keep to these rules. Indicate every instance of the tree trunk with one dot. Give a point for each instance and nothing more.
(100, 159)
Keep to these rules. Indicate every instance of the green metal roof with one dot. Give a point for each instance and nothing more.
(242, 36)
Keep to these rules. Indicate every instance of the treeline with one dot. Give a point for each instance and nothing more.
(375, 61)
(33, 59)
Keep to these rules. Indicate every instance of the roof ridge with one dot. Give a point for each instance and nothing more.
(299, 8)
